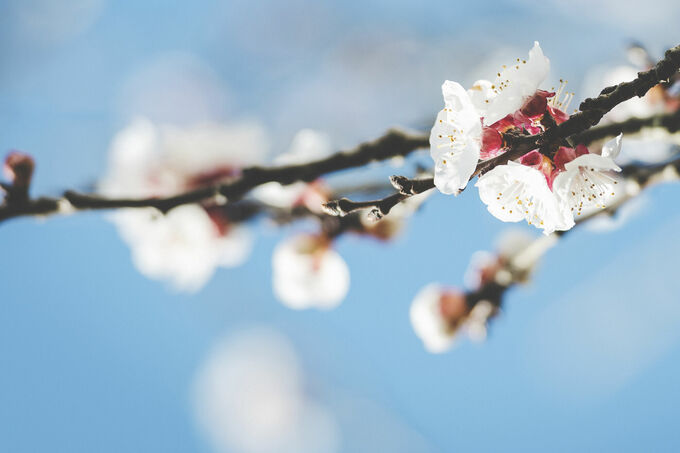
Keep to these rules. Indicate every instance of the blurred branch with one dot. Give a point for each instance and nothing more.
(394, 143)
(669, 122)
(591, 112)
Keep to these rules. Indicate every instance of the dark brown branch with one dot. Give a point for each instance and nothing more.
(379, 208)
(394, 143)
(667, 121)
(591, 112)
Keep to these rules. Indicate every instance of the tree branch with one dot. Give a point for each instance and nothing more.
(394, 143)
(591, 112)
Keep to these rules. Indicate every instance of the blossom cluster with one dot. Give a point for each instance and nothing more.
(548, 188)
(440, 314)
(186, 245)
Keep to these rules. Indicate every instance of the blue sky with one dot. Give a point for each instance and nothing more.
(95, 357)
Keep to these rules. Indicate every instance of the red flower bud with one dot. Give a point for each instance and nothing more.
(19, 169)
(536, 104)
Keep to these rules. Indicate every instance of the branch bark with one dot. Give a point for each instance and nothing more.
(393, 144)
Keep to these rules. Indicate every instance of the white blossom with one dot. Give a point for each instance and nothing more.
(428, 320)
(182, 246)
(456, 137)
(585, 183)
(308, 273)
(249, 397)
(455, 140)
(516, 192)
(513, 85)
(186, 245)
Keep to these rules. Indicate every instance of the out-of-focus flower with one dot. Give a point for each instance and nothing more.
(436, 313)
(183, 246)
(308, 273)
(307, 146)
(498, 266)
(187, 244)
(249, 397)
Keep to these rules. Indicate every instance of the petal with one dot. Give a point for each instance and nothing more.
(594, 161)
(455, 152)
(515, 83)
(459, 106)
(585, 184)
(306, 274)
(515, 192)
(612, 148)
(480, 94)
(428, 322)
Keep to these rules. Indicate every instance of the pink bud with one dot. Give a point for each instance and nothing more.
(18, 169)
(536, 104)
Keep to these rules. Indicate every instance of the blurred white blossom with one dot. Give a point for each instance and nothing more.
(435, 312)
(308, 273)
(249, 397)
(187, 244)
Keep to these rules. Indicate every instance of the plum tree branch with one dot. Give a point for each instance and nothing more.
(591, 112)
(393, 144)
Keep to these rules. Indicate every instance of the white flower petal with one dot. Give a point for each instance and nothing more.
(515, 83)
(205, 147)
(275, 194)
(516, 192)
(612, 148)
(459, 107)
(427, 320)
(234, 247)
(307, 274)
(480, 95)
(307, 145)
(178, 247)
(455, 152)
(585, 184)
